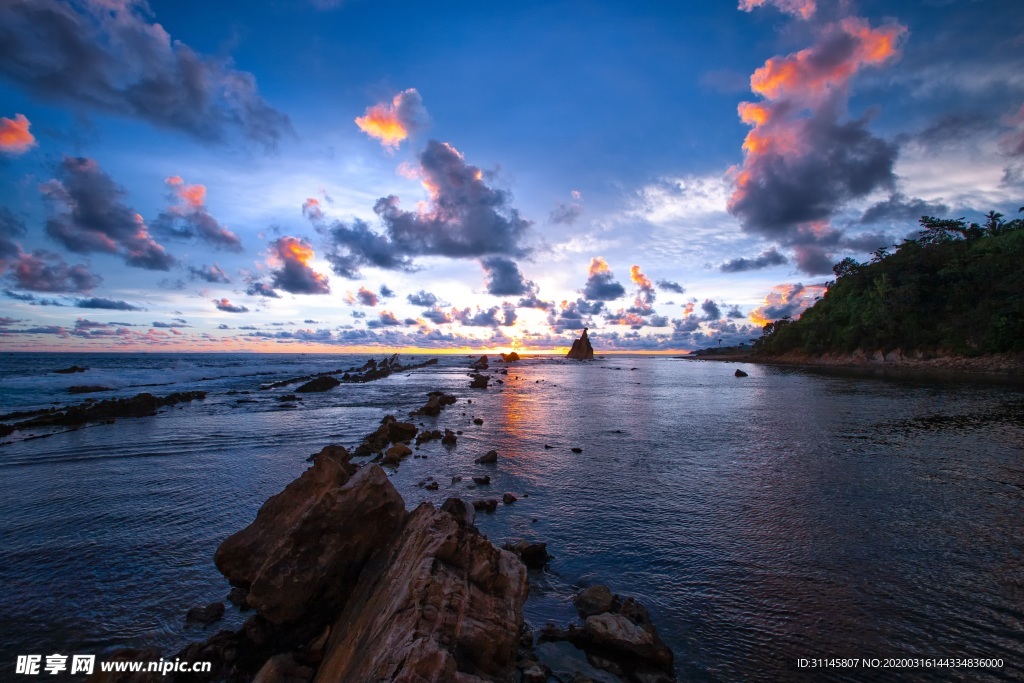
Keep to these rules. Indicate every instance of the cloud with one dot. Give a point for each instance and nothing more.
(437, 316)
(106, 304)
(10, 227)
(566, 214)
(386, 292)
(670, 286)
(422, 298)
(503, 277)
(788, 300)
(366, 297)
(211, 274)
(532, 300)
(15, 137)
(43, 271)
(228, 307)
(88, 216)
(802, 160)
(711, 310)
(799, 8)
(190, 217)
(765, 259)
(899, 209)
(1012, 143)
(601, 284)
(645, 291)
(110, 56)
(392, 123)
(464, 218)
(573, 315)
(311, 209)
(505, 315)
(255, 288)
(292, 256)
(385, 319)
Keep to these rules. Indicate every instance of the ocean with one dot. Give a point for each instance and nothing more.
(789, 514)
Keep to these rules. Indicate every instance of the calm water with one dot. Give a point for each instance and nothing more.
(788, 514)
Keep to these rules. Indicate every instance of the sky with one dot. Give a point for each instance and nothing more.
(348, 175)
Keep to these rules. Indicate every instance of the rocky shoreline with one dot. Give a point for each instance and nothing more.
(996, 365)
(345, 584)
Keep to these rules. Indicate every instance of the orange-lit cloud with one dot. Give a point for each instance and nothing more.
(598, 266)
(15, 137)
(189, 217)
(311, 209)
(295, 274)
(192, 195)
(639, 278)
(392, 123)
(789, 300)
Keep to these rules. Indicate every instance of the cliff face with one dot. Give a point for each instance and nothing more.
(581, 348)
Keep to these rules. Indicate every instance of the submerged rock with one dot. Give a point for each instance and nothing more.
(323, 383)
(87, 389)
(581, 348)
(479, 381)
(205, 615)
(740, 373)
(69, 371)
(488, 458)
(442, 604)
(533, 555)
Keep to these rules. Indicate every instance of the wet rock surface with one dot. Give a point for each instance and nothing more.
(140, 405)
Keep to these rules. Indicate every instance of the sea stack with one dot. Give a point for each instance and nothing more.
(581, 348)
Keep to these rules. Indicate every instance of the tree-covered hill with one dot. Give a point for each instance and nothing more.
(956, 289)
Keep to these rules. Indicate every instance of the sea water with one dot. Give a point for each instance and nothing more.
(786, 515)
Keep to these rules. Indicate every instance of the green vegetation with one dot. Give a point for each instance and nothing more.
(958, 288)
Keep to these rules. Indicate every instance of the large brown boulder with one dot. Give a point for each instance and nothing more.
(581, 348)
(301, 556)
(442, 604)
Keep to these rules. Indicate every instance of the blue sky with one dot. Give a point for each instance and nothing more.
(557, 165)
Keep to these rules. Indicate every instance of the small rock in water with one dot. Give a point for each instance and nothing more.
(487, 458)
(483, 481)
(205, 615)
(740, 373)
(508, 499)
(548, 447)
(432, 486)
(576, 450)
(478, 420)
(488, 505)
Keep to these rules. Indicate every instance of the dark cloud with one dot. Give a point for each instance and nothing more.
(161, 324)
(437, 316)
(107, 304)
(189, 218)
(711, 310)
(113, 57)
(386, 292)
(365, 297)
(422, 298)
(670, 286)
(255, 288)
(766, 259)
(899, 208)
(813, 259)
(228, 307)
(787, 301)
(466, 218)
(601, 284)
(358, 314)
(503, 277)
(89, 216)
(565, 214)
(211, 274)
(866, 241)
(385, 319)
(10, 227)
(295, 274)
(505, 315)
(573, 315)
(43, 271)
(533, 301)
(735, 312)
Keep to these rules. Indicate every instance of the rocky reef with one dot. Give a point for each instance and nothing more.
(581, 348)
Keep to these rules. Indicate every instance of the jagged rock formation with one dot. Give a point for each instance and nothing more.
(581, 348)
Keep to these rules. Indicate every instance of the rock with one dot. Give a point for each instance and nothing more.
(480, 364)
(568, 663)
(508, 499)
(301, 556)
(432, 486)
(449, 438)
(140, 405)
(581, 348)
(205, 615)
(436, 401)
(463, 513)
(322, 383)
(740, 373)
(337, 453)
(68, 371)
(488, 505)
(547, 447)
(426, 436)
(488, 458)
(479, 381)
(576, 450)
(87, 389)
(618, 632)
(594, 600)
(376, 441)
(456, 479)
(394, 455)
(401, 431)
(442, 604)
(288, 397)
(478, 420)
(483, 481)
(237, 598)
(533, 555)
(510, 357)
(283, 668)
